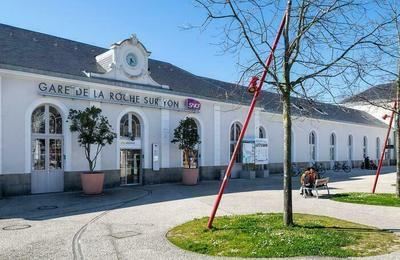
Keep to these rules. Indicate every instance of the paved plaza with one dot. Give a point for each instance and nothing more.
(131, 222)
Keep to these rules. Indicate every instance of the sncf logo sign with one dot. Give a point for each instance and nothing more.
(192, 104)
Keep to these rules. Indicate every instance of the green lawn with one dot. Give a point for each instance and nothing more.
(263, 235)
(382, 199)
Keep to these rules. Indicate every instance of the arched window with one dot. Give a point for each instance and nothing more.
(38, 120)
(388, 151)
(236, 128)
(312, 141)
(261, 132)
(194, 157)
(365, 147)
(350, 148)
(47, 139)
(332, 149)
(130, 126)
(378, 148)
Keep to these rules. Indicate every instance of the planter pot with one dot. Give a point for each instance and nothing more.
(190, 176)
(92, 183)
(248, 175)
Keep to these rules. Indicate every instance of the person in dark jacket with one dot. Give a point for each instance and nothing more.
(367, 163)
(308, 180)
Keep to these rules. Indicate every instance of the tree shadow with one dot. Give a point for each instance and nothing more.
(56, 205)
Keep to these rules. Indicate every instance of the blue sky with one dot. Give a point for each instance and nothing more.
(157, 23)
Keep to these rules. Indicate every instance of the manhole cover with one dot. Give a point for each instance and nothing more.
(47, 207)
(17, 227)
(125, 234)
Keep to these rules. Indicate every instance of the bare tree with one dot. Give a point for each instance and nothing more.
(384, 65)
(323, 40)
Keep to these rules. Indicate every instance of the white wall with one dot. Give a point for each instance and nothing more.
(19, 94)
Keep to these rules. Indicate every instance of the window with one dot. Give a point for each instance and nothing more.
(313, 146)
(236, 128)
(378, 148)
(130, 126)
(350, 148)
(194, 156)
(261, 132)
(38, 120)
(47, 139)
(332, 149)
(388, 151)
(365, 147)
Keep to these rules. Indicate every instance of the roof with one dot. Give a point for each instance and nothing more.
(381, 92)
(40, 53)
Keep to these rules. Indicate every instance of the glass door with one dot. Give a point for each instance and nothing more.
(130, 166)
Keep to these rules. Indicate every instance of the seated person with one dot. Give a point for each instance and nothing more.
(314, 173)
(307, 180)
(366, 162)
(373, 165)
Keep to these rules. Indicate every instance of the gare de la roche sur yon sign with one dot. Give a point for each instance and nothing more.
(112, 96)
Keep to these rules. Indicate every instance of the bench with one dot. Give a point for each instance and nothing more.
(319, 184)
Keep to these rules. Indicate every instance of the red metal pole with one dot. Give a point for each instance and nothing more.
(246, 122)
(378, 170)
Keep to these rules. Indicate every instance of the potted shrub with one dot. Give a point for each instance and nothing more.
(187, 138)
(94, 132)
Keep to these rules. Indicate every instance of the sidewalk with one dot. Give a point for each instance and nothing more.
(131, 223)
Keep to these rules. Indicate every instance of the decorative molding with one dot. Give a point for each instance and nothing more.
(114, 63)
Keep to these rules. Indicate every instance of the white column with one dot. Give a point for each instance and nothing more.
(93, 147)
(217, 135)
(165, 140)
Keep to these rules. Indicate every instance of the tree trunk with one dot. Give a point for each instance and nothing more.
(287, 127)
(287, 161)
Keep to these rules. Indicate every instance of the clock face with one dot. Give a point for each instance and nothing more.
(131, 59)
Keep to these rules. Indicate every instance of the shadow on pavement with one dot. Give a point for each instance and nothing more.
(57, 205)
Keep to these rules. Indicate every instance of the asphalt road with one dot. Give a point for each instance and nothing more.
(131, 222)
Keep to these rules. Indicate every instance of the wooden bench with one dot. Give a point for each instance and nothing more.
(319, 184)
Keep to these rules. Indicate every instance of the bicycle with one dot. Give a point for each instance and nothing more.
(341, 167)
(296, 171)
(319, 168)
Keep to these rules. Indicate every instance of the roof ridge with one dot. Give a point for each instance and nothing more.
(51, 36)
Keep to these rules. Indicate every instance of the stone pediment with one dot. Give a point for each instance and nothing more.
(127, 60)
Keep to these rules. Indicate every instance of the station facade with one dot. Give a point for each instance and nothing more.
(43, 76)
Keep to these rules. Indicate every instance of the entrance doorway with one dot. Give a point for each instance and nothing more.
(47, 150)
(130, 163)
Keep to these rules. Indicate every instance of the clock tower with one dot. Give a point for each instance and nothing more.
(127, 60)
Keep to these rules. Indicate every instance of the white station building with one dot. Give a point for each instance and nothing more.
(43, 76)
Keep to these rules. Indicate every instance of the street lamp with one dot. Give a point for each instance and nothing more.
(252, 85)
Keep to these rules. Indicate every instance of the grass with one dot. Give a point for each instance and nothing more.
(381, 199)
(264, 235)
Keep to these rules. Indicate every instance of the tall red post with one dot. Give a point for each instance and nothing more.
(378, 170)
(246, 122)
